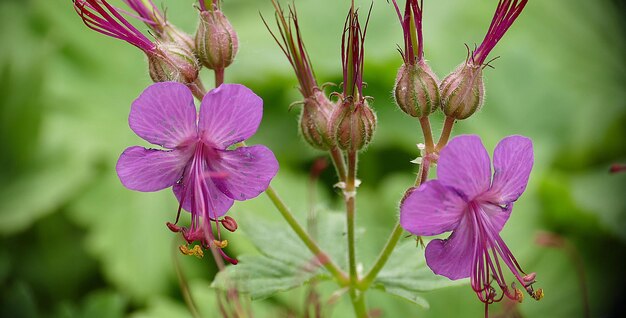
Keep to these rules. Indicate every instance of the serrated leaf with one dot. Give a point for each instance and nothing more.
(285, 262)
(406, 275)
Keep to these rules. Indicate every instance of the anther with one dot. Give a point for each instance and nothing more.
(229, 223)
(173, 227)
(220, 244)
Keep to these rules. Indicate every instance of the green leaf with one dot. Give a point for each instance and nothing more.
(40, 192)
(127, 234)
(406, 275)
(285, 262)
(104, 304)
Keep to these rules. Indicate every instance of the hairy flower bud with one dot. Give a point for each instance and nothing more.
(353, 125)
(416, 91)
(314, 120)
(216, 40)
(463, 91)
(173, 62)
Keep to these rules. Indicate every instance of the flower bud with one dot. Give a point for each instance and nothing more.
(173, 34)
(353, 125)
(463, 91)
(173, 62)
(216, 40)
(314, 120)
(416, 91)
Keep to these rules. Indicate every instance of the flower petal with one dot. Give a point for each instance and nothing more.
(464, 165)
(512, 163)
(497, 215)
(248, 171)
(431, 209)
(164, 114)
(453, 257)
(229, 114)
(217, 202)
(149, 170)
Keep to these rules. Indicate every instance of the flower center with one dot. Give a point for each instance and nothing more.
(490, 252)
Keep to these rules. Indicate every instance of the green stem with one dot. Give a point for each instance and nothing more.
(323, 258)
(358, 302)
(356, 296)
(349, 195)
(339, 163)
(445, 134)
(428, 135)
(384, 255)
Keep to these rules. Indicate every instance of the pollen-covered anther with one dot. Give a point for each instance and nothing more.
(519, 296)
(220, 244)
(195, 251)
(229, 223)
(538, 294)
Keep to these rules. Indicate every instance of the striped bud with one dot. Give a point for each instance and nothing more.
(463, 91)
(314, 120)
(216, 40)
(353, 125)
(173, 62)
(416, 91)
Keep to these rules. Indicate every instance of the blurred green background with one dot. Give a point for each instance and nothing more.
(76, 243)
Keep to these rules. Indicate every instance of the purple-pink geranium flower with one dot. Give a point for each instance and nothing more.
(466, 200)
(205, 174)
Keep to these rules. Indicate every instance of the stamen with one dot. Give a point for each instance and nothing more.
(195, 251)
(220, 244)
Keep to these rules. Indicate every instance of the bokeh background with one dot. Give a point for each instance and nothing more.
(76, 243)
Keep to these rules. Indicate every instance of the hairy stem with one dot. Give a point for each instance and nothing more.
(428, 135)
(339, 163)
(322, 257)
(350, 196)
(356, 296)
(219, 77)
(384, 255)
(445, 134)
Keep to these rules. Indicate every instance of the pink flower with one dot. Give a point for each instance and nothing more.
(205, 175)
(466, 200)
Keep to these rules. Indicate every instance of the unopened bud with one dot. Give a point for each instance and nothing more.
(173, 34)
(463, 91)
(216, 40)
(229, 223)
(314, 120)
(353, 125)
(173, 62)
(416, 91)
